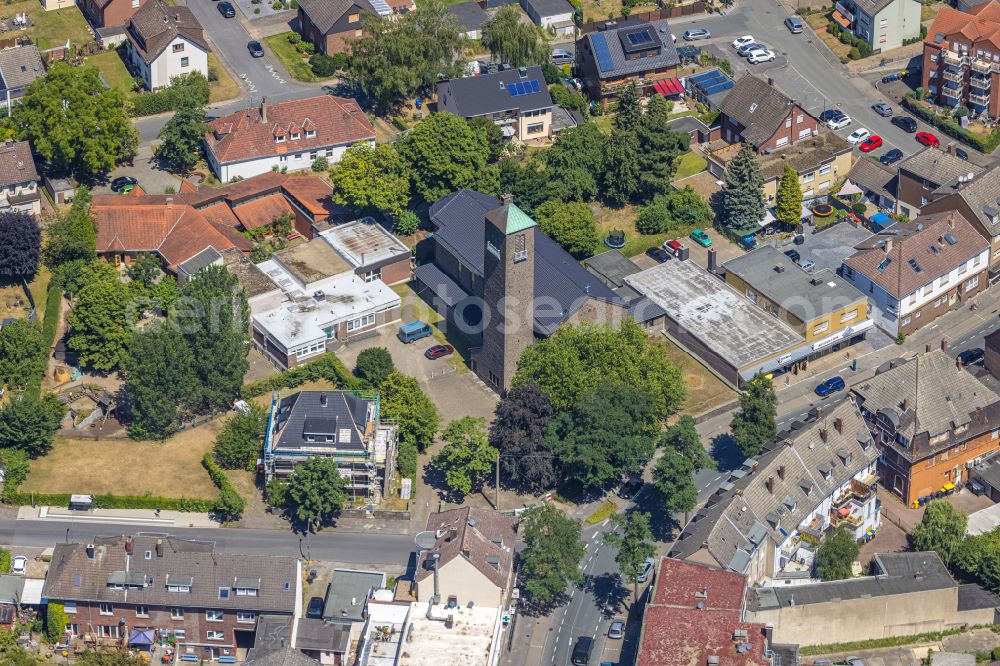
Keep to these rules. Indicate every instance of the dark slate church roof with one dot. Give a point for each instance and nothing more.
(461, 230)
(304, 414)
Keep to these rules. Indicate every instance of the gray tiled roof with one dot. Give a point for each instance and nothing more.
(972, 597)
(313, 634)
(348, 592)
(470, 15)
(203, 259)
(759, 107)
(872, 175)
(75, 576)
(622, 65)
(805, 295)
(546, 8)
(157, 24)
(304, 413)
(20, 66)
(983, 197)
(16, 163)
(480, 536)
(325, 13)
(739, 517)
(488, 93)
(937, 166)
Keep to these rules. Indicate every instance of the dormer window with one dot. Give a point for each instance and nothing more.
(310, 134)
(295, 136)
(279, 138)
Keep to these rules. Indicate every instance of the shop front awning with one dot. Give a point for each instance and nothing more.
(668, 87)
(841, 20)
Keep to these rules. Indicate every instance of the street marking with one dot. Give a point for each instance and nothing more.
(597, 534)
(605, 523)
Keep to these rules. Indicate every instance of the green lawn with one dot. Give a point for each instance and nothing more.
(112, 69)
(689, 164)
(52, 28)
(290, 58)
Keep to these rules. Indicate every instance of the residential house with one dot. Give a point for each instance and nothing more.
(978, 200)
(340, 425)
(906, 594)
(962, 58)
(128, 591)
(709, 87)
(874, 180)
(330, 26)
(328, 643)
(19, 67)
(694, 128)
(474, 557)
(52, 5)
(922, 174)
(345, 609)
(914, 273)
(821, 306)
(488, 252)
(694, 615)
(273, 644)
(107, 13)
(766, 521)
(20, 597)
(471, 18)
(517, 100)
(164, 42)
(931, 419)
(757, 113)
(19, 189)
(555, 16)
(623, 52)
(882, 24)
(285, 136)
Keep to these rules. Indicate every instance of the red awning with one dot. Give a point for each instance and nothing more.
(668, 87)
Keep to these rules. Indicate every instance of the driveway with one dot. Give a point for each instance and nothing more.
(828, 248)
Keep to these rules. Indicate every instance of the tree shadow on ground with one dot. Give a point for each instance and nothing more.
(536, 608)
(609, 593)
(434, 478)
(725, 453)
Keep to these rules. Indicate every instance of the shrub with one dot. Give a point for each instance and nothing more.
(854, 53)
(228, 503)
(407, 223)
(985, 144)
(399, 123)
(320, 164)
(406, 459)
(901, 338)
(960, 111)
(373, 366)
(322, 65)
(858, 208)
(294, 37)
(653, 219)
(55, 622)
(4, 560)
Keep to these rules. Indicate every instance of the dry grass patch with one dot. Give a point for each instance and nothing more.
(124, 467)
(705, 391)
(224, 87)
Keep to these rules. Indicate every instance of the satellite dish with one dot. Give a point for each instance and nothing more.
(425, 540)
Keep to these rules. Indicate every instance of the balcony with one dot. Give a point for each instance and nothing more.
(982, 66)
(981, 82)
(953, 75)
(953, 93)
(952, 58)
(981, 99)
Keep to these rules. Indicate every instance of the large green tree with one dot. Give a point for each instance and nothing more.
(836, 555)
(71, 235)
(755, 424)
(374, 365)
(686, 208)
(22, 353)
(628, 109)
(788, 203)
(371, 180)
(518, 431)
(443, 154)
(316, 491)
(620, 168)
(467, 458)
(574, 163)
(512, 40)
(99, 326)
(683, 437)
(214, 317)
(553, 549)
(239, 442)
(29, 423)
(159, 381)
(634, 544)
(182, 137)
(941, 529)
(742, 197)
(659, 148)
(397, 59)
(20, 244)
(609, 432)
(571, 225)
(405, 402)
(74, 122)
(673, 481)
(575, 359)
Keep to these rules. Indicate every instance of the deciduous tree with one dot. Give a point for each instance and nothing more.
(788, 207)
(99, 326)
(518, 432)
(755, 424)
(742, 196)
(71, 236)
(467, 458)
(673, 481)
(371, 180)
(20, 244)
(512, 40)
(553, 549)
(239, 442)
(571, 225)
(374, 365)
(836, 555)
(316, 491)
(443, 154)
(683, 437)
(493, 135)
(182, 138)
(22, 353)
(405, 402)
(30, 423)
(634, 545)
(941, 529)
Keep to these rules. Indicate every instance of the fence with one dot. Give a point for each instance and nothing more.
(657, 15)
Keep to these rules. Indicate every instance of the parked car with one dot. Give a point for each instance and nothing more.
(697, 33)
(891, 157)
(227, 9)
(413, 331)
(794, 24)
(858, 135)
(561, 57)
(928, 139)
(630, 488)
(747, 48)
(882, 109)
(793, 255)
(18, 565)
(839, 120)
(830, 386)
(617, 629)
(905, 123)
(119, 183)
(581, 651)
(315, 609)
(439, 351)
(701, 238)
(971, 356)
(673, 247)
(961, 154)
(647, 569)
(871, 143)
(657, 253)
(759, 56)
(256, 50)
(741, 41)
(807, 265)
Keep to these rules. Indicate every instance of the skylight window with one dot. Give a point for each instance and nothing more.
(884, 265)
(753, 107)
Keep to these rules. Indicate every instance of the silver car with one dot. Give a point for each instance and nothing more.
(617, 629)
(794, 24)
(697, 33)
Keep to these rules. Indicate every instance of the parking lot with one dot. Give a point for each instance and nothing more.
(724, 251)
(828, 248)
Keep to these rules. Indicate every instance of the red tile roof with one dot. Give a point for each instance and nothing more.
(250, 134)
(261, 212)
(677, 632)
(981, 24)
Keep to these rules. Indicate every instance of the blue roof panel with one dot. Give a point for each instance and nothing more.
(604, 61)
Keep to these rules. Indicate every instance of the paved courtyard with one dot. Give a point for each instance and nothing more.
(829, 248)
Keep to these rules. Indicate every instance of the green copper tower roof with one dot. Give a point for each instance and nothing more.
(518, 220)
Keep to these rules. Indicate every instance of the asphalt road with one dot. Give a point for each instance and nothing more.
(333, 545)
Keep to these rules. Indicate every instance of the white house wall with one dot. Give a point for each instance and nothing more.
(293, 161)
(168, 64)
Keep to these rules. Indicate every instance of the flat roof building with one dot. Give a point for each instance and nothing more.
(371, 250)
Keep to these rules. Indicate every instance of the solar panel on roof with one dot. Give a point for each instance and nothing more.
(717, 87)
(638, 38)
(512, 90)
(535, 87)
(698, 78)
(601, 52)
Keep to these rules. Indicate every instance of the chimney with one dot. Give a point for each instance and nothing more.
(822, 434)
(506, 199)
(951, 221)
(263, 109)
(712, 261)
(128, 545)
(906, 404)
(177, 17)
(958, 363)
(838, 425)
(169, 201)
(944, 345)
(90, 551)
(322, 399)
(159, 547)
(951, 148)
(927, 348)
(888, 245)
(770, 484)
(779, 269)
(770, 82)
(781, 472)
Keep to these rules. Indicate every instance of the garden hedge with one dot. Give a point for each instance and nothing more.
(986, 144)
(109, 501)
(327, 367)
(188, 90)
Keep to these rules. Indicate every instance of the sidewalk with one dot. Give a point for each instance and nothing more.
(142, 517)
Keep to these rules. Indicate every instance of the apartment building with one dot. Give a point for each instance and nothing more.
(19, 189)
(165, 42)
(627, 51)
(922, 175)
(883, 24)
(962, 58)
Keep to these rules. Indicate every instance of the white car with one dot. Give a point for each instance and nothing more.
(858, 135)
(19, 564)
(740, 41)
(760, 55)
(839, 121)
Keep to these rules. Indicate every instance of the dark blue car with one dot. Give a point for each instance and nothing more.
(831, 385)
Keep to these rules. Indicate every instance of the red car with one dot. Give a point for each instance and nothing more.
(928, 139)
(871, 143)
(673, 247)
(438, 351)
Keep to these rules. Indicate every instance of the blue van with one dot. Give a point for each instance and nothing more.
(413, 331)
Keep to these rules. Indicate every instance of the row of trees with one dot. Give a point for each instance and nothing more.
(973, 558)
